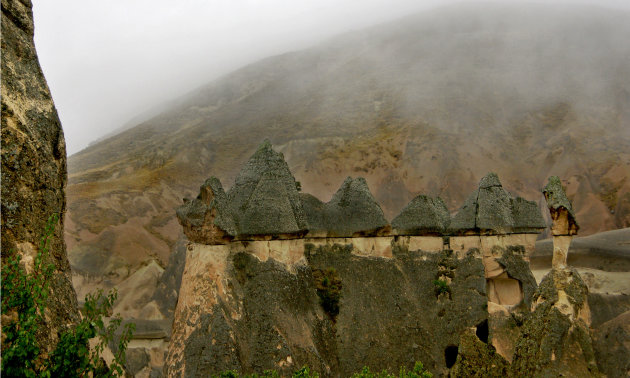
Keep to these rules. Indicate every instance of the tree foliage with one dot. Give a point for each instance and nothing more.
(25, 297)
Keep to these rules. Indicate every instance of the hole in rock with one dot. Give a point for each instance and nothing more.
(450, 355)
(483, 331)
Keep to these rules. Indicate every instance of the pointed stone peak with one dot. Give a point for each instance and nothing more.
(349, 185)
(555, 195)
(423, 215)
(491, 209)
(353, 210)
(210, 189)
(490, 180)
(207, 219)
(564, 221)
(265, 148)
(264, 180)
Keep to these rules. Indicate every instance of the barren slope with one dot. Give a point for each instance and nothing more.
(428, 104)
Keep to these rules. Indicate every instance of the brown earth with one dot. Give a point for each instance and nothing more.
(428, 104)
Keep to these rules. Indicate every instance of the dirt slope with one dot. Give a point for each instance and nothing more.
(428, 104)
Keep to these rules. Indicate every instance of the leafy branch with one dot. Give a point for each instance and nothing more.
(24, 301)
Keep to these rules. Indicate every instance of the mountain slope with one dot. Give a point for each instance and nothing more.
(428, 104)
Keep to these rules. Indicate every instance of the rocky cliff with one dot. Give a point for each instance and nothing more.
(33, 164)
(456, 294)
(427, 104)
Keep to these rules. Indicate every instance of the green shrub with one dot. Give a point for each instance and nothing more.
(24, 299)
(305, 372)
(441, 286)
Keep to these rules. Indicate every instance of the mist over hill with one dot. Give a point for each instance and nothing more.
(427, 104)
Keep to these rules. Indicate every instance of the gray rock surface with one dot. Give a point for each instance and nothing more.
(264, 190)
(33, 169)
(269, 210)
(491, 209)
(207, 219)
(423, 215)
(389, 314)
(560, 207)
(167, 290)
(354, 211)
(555, 340)
(526, 215)
(518, 268)
(137, 359)
(315, 211)
(555, 195)
(612, 346)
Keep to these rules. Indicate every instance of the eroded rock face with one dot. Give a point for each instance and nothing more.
(207, 219)
(252, 308)
(556, 339)
(492, 210)
(354, 211)
(33, 164)
(260, 303)
(564, 222)
(263, 203)
(612, 346)
(423, 215)
(266, 190)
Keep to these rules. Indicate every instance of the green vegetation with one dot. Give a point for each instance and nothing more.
(418, 372)
(24, 300)
(328, 285)
(235, 374)
(441, 286)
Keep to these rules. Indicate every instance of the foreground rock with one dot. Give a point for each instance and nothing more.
(351, 291)
(33, 166)
(556, 338)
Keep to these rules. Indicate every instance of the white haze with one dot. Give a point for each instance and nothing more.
(109, 63)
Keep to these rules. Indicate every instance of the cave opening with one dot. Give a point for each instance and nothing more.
(483, 331)
(450, 355)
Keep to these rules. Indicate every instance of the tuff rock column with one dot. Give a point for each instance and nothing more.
(564, 225)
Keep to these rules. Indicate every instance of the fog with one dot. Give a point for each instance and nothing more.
(111, 64)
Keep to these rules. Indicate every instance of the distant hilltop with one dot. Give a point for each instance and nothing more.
(265, 203)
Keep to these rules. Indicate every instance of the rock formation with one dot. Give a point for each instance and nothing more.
(564, 224)
(352, 211)
(423, 215)
(556, 339)
(350, 290)
(492, 210)
(33, 165)
(264, 202)
(207, 218)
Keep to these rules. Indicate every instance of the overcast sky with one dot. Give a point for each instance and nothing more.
(109, 61)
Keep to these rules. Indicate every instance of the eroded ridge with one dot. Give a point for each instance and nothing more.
(275, 278)
(265, 204)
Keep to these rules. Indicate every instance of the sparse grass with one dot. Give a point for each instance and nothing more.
(441, 287)
(418, 371)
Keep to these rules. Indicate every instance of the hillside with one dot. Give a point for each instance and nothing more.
(427, 104)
